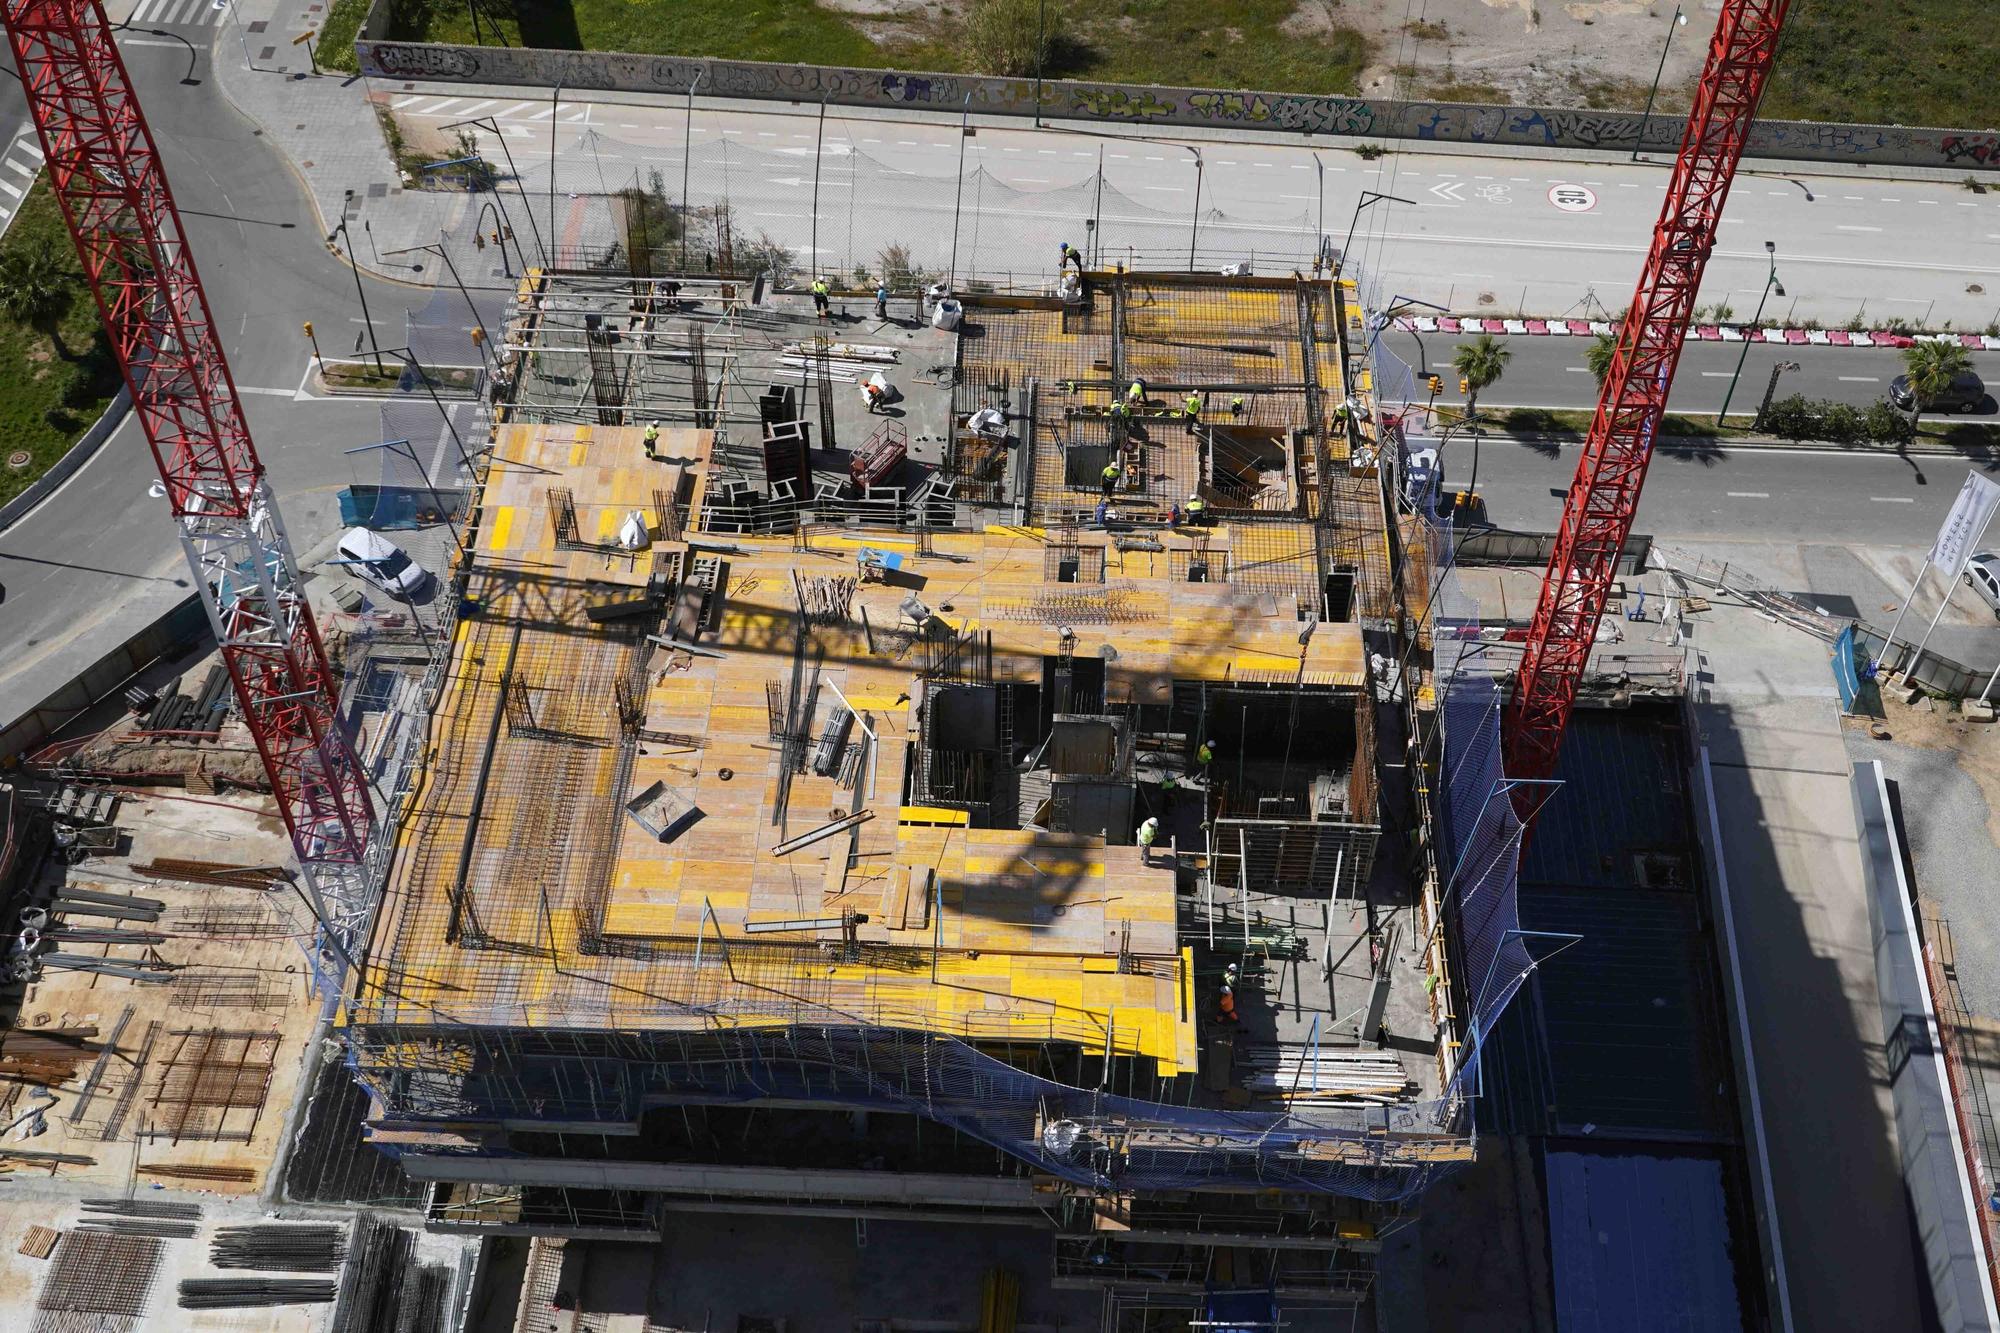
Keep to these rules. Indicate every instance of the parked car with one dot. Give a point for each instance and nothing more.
(1983, 573)
(1965, 393)
(381, 562)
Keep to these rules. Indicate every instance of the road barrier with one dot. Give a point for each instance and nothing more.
(1360, 120)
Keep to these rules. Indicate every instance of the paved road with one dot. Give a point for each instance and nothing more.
(101, 555)
(1550, 372)
(1847, 528)
(1474, 225)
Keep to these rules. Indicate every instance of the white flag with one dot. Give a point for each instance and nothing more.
(1970, 512)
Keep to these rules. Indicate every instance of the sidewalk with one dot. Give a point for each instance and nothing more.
(326, 126)
(1766, 708)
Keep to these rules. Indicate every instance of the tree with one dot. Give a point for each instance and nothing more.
(1013, 37)
(1931, 366)
(34, 289)
(1479, 363)
(1598, 358)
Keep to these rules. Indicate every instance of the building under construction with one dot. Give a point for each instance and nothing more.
(961, 800)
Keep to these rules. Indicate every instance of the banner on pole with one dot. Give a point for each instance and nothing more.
(1846, 672)
(1960, 533)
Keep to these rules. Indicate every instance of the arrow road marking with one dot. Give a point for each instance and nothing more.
(1449, 190)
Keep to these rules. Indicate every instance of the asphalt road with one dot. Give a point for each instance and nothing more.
(102, 549)
(1472, 226)
(1549, 372)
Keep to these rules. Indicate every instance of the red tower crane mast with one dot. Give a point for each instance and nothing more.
(106, 176)
(1604, 497)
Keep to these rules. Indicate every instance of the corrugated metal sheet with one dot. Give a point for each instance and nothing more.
(1640, 1244)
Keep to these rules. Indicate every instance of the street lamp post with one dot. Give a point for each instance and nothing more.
(687, 148)
(1041, 44)
(492, 125)
(1368, 198)
(1770, 282)
(1646, 121)
(1194, 223)
(957, 198)
(555, 116)
(359, 291)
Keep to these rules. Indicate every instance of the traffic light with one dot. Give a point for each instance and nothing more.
(1463, 385)
(478, 336)
(478, 241)
(1437, 385)
(496, 238)
(309, 328)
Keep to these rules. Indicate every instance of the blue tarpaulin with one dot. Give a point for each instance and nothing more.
(1640, 1244)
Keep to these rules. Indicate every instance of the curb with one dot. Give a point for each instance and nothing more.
(66, 467)
(1758, 444)
(1728, 333)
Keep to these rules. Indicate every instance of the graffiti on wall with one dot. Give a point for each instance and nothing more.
(1540, 127)
(1121, 103)
(1981, 148)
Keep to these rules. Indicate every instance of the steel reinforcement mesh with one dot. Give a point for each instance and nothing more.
(1109, 1142)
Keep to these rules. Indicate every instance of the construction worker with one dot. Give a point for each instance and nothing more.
(1225, 1004)
(882, 302)
(1070, 255)
(653, 439)
(1236, 407)
(1103, 515)
(1135, 397)
(1204, 754)
(1195, 510)
(1168, 782)
(1110, 477)
(1119, 411)
(1191, 409)
(1149, 833)
(820, 304)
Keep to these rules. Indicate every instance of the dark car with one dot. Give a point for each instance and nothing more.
(1965, 393)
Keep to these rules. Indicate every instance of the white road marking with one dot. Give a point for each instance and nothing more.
(1844, 227)
(1885, 199)
(1749, 495)
(1577, 370)
(1892, 499)
(1165, 189)
(1862, 379)
(268, 393)
(1717, 374)
(13, 191)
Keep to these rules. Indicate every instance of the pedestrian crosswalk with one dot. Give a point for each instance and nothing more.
(184, 13)
(18, 166)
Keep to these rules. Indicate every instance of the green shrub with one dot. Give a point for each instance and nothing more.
(1013, 37)
(1885, 425)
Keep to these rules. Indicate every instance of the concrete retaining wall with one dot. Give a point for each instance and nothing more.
(79, 454)
(1368, 119)
(171, 635)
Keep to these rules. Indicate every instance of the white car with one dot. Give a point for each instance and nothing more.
(380, 561)
(1983, 573)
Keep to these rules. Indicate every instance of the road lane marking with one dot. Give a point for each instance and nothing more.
(1749, 495)
(1893, 499)
(1845, 227)
(1862, 379)
(1717, 374)
(1577, 370)
(1887, 200)
(1166, 189)
(12, 191)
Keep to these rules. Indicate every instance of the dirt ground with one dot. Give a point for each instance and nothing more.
(1932, 725)
(1588, 53)
(1593, 53)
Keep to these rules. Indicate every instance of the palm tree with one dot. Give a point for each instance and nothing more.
(1931, 366)
(1598, 358)
(1479, 363)
(34, 289)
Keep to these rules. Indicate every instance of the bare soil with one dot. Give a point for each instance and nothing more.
(1591, 53)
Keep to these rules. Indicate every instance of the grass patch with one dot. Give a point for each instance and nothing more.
(51, 388)
(335, 44)
(1559, 421)
(1907, 62)
(1181, 42)
(362, 377)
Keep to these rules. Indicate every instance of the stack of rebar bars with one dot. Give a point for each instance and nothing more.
(214, 872)
(372, 1294)
(280, 1249)
(235, 1293)
(162, 1219)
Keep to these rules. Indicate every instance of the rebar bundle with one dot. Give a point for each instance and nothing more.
(144, 1208)
(281, 1249)
(158, 1228)
(372, 1287)
(233, 1293)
